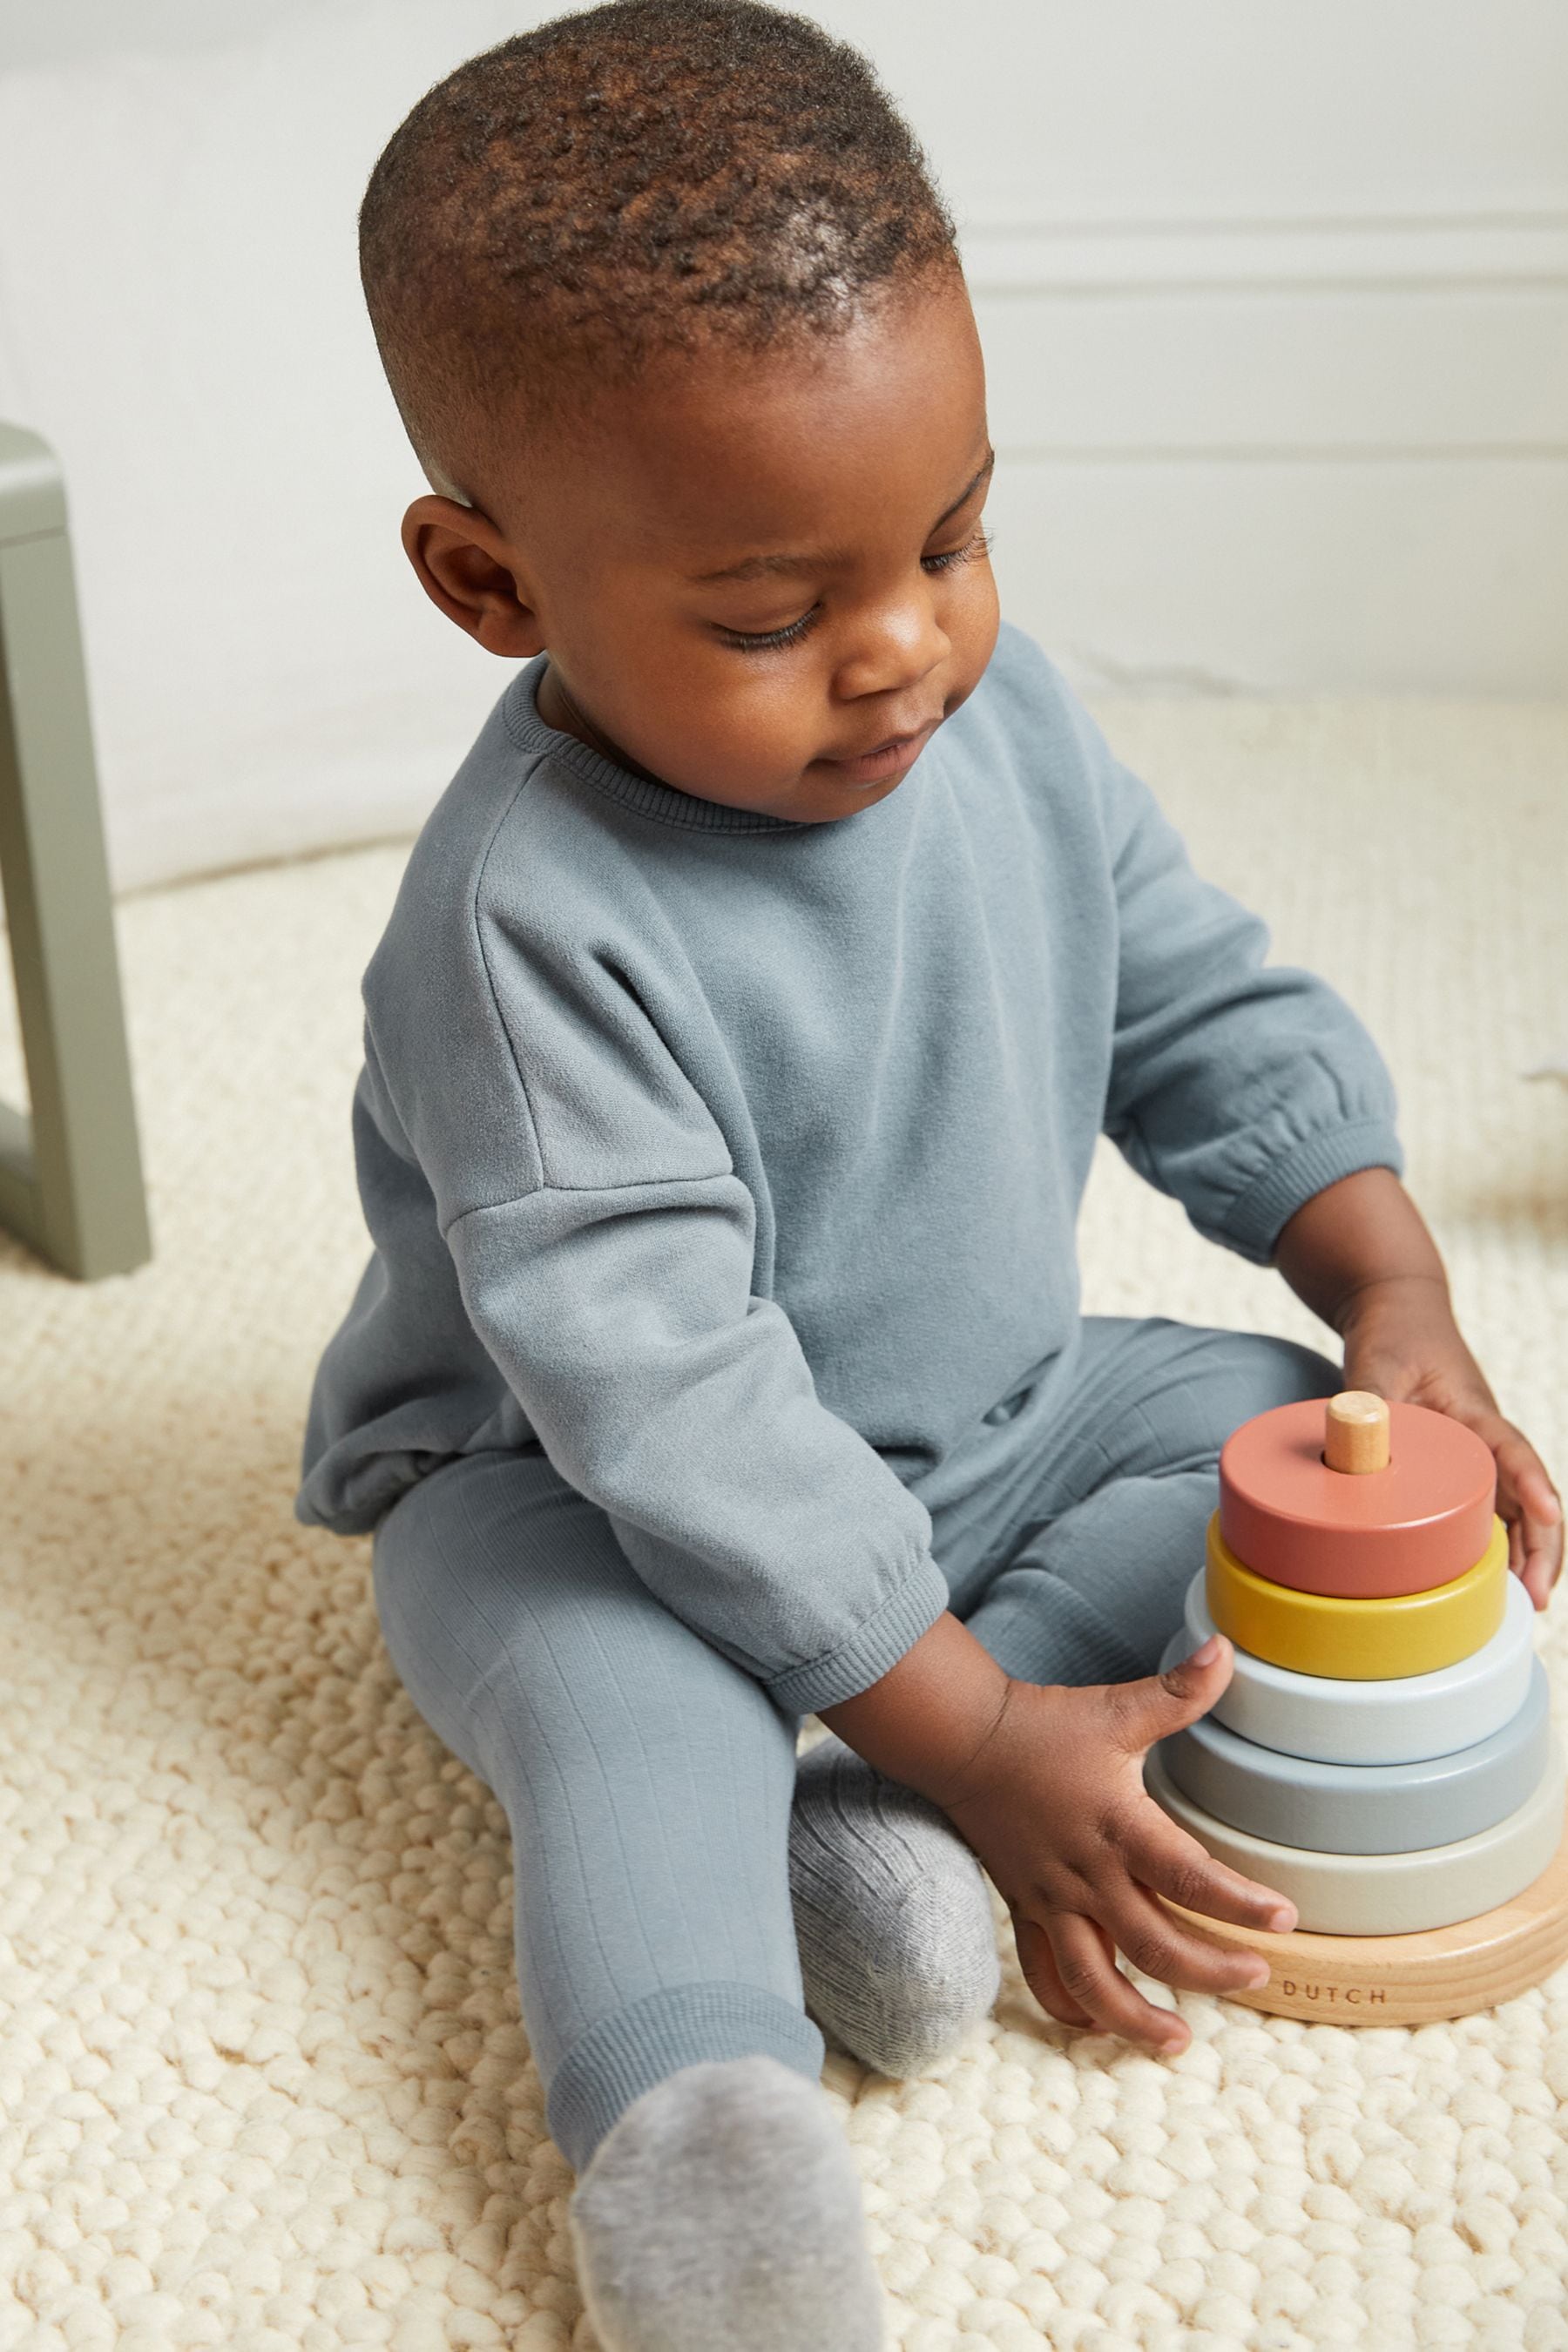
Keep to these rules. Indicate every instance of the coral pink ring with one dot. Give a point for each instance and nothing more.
(1424, 1520)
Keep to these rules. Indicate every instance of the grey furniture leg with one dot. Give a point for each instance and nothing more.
(70, 1177)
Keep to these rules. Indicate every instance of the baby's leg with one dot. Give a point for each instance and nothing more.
(896, 1931)
(647, 1784)
(1093, 1590)
(894, 1918)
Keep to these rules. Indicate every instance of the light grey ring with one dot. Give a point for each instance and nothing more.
(1383, 1894)
(1298, 1801)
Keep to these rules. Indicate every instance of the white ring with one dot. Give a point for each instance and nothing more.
(1361, 1808)
(1387, 1893)
(1334, 1721)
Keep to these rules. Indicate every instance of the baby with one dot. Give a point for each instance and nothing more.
(734, 1058)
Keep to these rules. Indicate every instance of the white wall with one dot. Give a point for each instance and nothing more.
(43, 32)
(1275, 299)
(1275, 304)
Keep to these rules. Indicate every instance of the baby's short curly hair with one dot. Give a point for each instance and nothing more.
(625, 182)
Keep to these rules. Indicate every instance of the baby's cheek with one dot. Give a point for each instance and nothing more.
(757, 732)
(972, 631)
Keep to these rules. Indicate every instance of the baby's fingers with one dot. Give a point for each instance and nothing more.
(1529, 1503)
(1163, 1857)
(1534, 1513)
(1160, 1946)
(1038, 1963)
(1085, 1969)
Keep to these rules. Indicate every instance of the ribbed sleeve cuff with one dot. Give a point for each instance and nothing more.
(1256, 1220)
(879, 1643)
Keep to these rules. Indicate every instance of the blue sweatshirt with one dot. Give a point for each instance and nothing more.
(735, 1161)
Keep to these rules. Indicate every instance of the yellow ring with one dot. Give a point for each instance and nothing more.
(1358, 1641)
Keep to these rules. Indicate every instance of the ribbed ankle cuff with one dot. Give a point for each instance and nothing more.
(682, 2025)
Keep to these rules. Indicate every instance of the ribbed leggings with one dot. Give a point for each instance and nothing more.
(647, 1781)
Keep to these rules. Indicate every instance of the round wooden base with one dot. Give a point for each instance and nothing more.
(1408, 1979)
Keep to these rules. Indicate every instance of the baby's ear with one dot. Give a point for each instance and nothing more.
(466, 567)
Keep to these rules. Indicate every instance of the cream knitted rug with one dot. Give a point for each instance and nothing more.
(262, 2084)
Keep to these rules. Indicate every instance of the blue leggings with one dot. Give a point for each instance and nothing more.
(647, 1781)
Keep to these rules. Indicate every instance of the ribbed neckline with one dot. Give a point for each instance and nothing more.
(663, 802)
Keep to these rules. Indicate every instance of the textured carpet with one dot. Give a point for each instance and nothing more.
(262, 2084)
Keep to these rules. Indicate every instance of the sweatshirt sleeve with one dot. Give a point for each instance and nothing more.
(1241, 1089)
(605, 1265)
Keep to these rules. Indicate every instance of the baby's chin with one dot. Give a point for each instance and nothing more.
(817, 793)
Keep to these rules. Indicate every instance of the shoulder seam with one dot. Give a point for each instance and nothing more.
(523, 782)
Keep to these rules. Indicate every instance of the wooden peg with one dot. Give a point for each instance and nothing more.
(1357, 1433)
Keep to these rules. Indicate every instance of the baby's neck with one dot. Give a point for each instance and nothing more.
(557, 710)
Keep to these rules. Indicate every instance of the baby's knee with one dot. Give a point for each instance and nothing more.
(1285, 1371)
(1221, 1379)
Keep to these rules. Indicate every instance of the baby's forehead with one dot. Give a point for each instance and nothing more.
(719, 458)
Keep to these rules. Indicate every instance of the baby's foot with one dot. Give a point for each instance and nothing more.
(722, 2210)
(897, 1944)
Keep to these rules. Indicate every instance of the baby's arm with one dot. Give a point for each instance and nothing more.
(1046, 1784)
(1360, 1257)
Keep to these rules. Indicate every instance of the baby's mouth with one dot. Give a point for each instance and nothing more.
(888, 757)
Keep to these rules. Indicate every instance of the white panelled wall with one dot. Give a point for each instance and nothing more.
(1274, 302)
(1274, 298)
(1285, 456)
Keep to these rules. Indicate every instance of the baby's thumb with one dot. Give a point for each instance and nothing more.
(1162, 1704)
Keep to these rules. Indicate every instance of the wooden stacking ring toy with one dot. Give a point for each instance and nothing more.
(1366, 1532)
(1296, 1800)
(1405, 1979)
(1386, 1893)
(1361, 1641)
(1392, 1722)
(1383, 1756)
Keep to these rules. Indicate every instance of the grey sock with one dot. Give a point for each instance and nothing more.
(898, 1943)
(721, 2211)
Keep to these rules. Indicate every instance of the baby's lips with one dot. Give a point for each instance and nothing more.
(888, 743)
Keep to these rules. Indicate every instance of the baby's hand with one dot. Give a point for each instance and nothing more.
(1056, 1809)
(1401, 1342)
